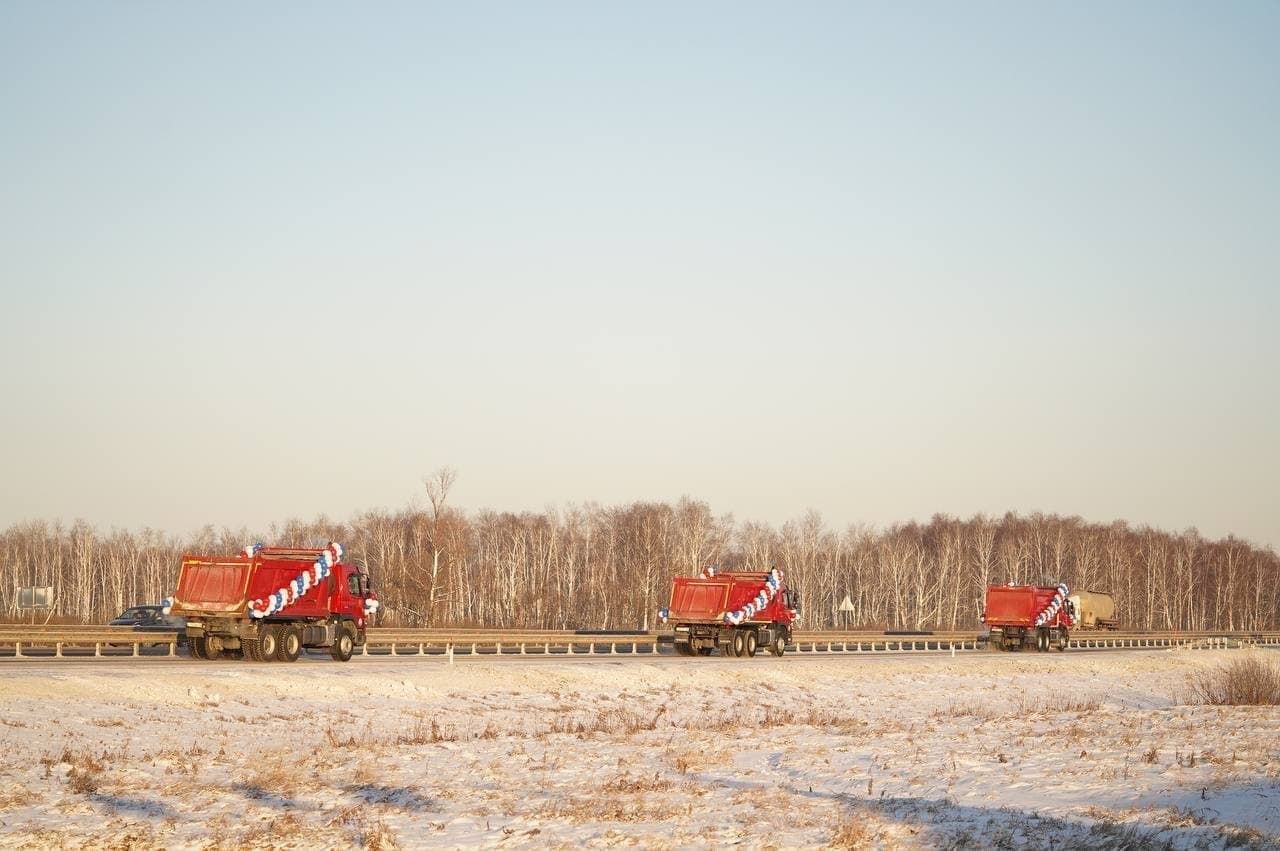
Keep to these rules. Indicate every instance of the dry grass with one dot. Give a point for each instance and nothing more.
(998, 709)
(858, 831)
(624, 808)
(273, 775)
(625, 783)
(13, 796)
(1249, 681)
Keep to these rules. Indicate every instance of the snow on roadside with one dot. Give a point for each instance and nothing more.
(1084, 749)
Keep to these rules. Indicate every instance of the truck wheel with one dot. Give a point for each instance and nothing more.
(1042, 640)
(778, 647)
(739, 645)
(705, 651)
(1064, 638)
(268, 643)
(290, 645)
(752, 642)
(249, 649)
(197, 648)
(342, 647)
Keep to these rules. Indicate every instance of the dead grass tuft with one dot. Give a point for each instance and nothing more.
(624, 782)
(1250, 681)
(857, 831)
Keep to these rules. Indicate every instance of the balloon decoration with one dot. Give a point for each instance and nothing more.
(251, 550)
(305, 581)
(1055, 605)
(772, 585)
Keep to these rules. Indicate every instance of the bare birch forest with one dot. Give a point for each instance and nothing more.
(610, 567)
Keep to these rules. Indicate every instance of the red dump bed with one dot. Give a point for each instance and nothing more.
(1018, 605)
(707, 599)
(225, 585)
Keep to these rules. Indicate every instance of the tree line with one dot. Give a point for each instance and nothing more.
(610, 567)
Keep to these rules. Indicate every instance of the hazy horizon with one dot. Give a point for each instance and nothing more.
(881, 263)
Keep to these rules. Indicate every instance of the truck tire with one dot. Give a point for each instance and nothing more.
(290, 645)
(343, 646)
(752, 642)
(249, 648)
(268, 643)
(778, 647)
(739, 643)
(1064, 638)
(197, 648)
(1042, 640)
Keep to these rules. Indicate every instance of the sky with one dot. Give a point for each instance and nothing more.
(878, 261)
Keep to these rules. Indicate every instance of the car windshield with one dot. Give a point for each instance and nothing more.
(137, 613)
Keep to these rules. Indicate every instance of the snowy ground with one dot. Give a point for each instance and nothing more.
(1075, 750)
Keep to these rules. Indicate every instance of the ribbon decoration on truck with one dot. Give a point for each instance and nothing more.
(1055, 605)
(305, 581)
(771, 586)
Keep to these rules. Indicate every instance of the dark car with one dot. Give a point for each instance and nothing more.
(150, 619)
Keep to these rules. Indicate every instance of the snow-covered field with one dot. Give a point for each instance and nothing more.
(1076, 750)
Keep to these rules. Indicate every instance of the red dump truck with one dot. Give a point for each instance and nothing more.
(268, 603)
(1018, 616)
(734, 612)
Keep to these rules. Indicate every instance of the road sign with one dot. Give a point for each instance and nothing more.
(846, 605)
(35, 596)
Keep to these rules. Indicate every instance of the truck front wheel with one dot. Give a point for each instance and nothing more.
(343, 646)
(778, 647)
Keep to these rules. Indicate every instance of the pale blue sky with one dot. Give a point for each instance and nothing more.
(877, 260)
